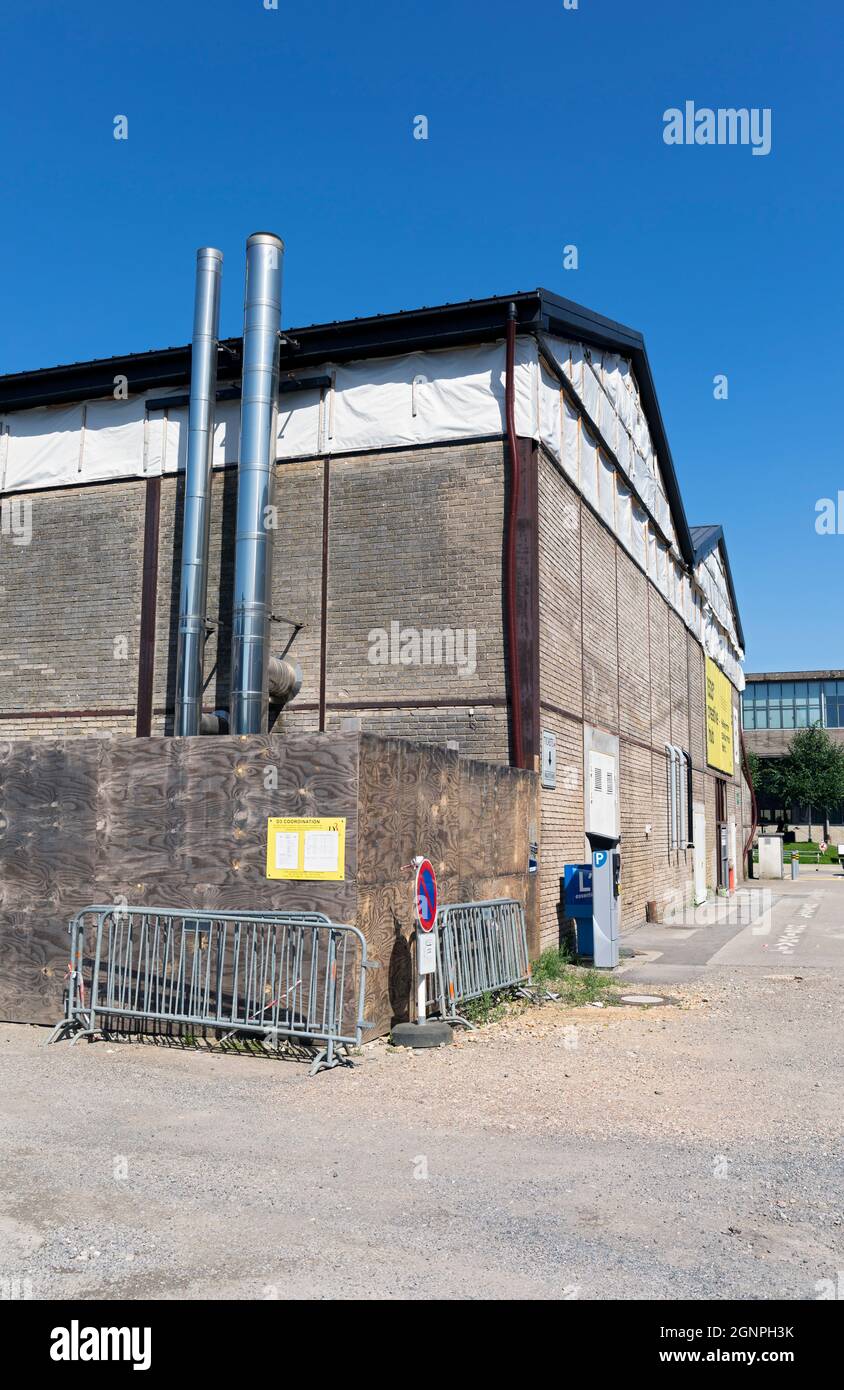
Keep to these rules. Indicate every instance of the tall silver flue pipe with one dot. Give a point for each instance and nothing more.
(197, 512)
(256, 471)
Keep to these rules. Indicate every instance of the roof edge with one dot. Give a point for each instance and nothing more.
(447, 325)
(709, 537)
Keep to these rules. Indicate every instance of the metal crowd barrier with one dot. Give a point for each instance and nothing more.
(481, 947)
(296, 976)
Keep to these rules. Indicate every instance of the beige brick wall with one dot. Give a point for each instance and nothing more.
(643, 680)
(70, 613)
(634, 675)
(600, 621)
(559, 583)
(773, 743)
(67, 726)
(643, 866)
(658, 612)
(679, 678)
(562, 837)
(479, 731)
(415, 537)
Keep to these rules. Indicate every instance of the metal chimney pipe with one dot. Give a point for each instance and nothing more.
(255, 478)
(197, 513)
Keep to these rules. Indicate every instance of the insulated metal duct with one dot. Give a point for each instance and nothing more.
(256, 469)
(197, 513)
(285, 680)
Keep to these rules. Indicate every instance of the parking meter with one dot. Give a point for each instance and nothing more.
(606, 888)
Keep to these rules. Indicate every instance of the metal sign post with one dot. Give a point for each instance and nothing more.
(423, 1032)
(425, 897)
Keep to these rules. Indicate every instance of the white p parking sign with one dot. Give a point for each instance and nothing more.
(426, 952)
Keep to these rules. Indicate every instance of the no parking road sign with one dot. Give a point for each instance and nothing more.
(426, 920)
(426, 895)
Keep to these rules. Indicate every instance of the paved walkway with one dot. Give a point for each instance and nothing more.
(798, 923)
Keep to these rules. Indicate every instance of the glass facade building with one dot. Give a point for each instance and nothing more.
(793, 704)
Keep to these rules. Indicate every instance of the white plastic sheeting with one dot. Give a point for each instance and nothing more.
(109, 435)
(712, 578)
(606, 386)
(93, 442)
(44, 447)
(418, 398)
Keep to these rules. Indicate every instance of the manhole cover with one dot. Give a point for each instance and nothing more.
(641, 999)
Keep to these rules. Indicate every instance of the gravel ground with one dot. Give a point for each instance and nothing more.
(688, 1151)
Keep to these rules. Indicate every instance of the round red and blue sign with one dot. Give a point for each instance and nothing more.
(426, 895)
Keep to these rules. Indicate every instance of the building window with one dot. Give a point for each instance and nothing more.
(793, 704)
(680, 812)
(833, 697)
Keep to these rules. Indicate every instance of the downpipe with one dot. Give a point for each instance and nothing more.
(510, 580)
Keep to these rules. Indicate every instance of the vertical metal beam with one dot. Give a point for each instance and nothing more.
(510, 612)
(149, 604)
(198, 480)
(527, 599)
(323, 616)
(256, 472)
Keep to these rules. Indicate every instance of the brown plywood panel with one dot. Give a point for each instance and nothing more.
(383, 820)
(139, 813)
(48, 808)
(385, 916)
(182, 823)
(33, 956)
(438, 808)
(477, 808)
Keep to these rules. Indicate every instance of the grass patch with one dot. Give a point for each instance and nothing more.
(808, 852)
(490, 1007)
(554, 970)
(551, 966)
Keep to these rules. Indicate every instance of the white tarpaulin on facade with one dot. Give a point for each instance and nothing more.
(415, 399)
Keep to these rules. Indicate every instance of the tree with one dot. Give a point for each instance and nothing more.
(767, 777)
(812, 773)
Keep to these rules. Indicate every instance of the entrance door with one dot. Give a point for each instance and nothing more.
(722, 843)
(699, 824)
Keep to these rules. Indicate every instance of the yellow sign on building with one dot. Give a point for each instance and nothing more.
(719, 719)
(309, 847)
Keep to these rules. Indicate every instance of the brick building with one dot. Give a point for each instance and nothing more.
(601, 632)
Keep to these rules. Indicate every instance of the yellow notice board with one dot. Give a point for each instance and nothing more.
(311, 847)
(719, 719)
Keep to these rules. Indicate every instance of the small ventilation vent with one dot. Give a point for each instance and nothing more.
(598, 779)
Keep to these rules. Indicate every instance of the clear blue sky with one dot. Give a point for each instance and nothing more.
(545, 128)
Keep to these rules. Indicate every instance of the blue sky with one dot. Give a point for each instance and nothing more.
(545, 129)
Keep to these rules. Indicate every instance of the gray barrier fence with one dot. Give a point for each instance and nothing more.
(294, 976)
(481, 947)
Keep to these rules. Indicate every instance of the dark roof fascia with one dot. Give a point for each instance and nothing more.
(793, 676)
(385, 335)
